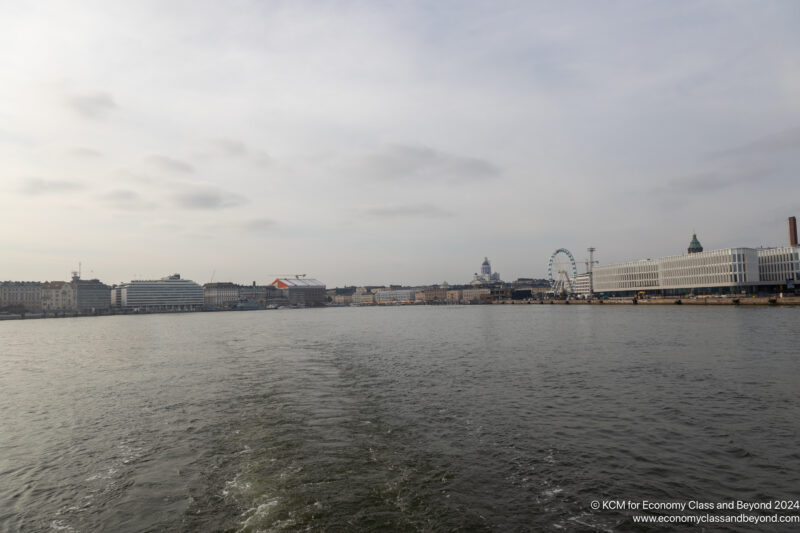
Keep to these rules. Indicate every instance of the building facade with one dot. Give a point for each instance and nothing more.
(435, 295)
(454, 296)
(363, 298)
(91, 296)
(395, 296)
(166, 294)
(59, 297)
(220, 295)
(299, 291)
(779, 266)
(260, 295)
(476, 295)
(730, 270)
(582, 286)
(22, 295)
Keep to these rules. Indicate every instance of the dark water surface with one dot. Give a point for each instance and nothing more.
(496, 418)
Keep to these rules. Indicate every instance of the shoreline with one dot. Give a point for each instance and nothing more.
(762, 301)
(710, 301)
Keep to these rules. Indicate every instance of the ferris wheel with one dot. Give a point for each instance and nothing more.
(561, 272)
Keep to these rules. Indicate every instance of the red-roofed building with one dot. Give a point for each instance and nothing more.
(307, 292)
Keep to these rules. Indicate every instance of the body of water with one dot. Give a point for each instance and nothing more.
(439, 418)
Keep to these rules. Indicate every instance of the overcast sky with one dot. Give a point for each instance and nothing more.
(390, 142)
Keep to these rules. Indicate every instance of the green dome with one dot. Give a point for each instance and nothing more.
(695, 245)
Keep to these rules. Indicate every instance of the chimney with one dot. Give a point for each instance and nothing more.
(792, 231)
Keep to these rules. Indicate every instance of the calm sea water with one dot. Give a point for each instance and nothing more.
(495, 418)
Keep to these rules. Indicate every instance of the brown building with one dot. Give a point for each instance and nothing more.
(435, 295)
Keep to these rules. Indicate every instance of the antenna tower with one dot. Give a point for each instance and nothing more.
(589, 264)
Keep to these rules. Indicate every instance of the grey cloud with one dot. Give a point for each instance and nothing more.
(259, 224)
(770, 144)
(261, 158)
(127, 199)
(231, 147)
(82, 151)
(207, 199)
(404, 211)
(37, 186)
(416, 163)
(170, 164)
(93, 106)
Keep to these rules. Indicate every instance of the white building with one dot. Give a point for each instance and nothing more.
(393, 296)
(221, 294)
(779, 265)
(730, 270)
(166, 294)
(581, 285)
(486, 276)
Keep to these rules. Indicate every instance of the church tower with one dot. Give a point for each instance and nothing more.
(695, 245)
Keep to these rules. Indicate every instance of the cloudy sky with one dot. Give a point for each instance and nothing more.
(389, 142)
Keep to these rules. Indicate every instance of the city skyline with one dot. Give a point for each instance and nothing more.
(377, 144)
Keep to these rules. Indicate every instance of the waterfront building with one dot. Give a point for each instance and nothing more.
(341, 295)
(301, 291)
(220, 295)
(727, 270)
(435, 295)
(58, 296)
(363, 298)
(475, 295)
(730, 270)
(91, 296)
(499, 293)
(260, 295)
(453, 296)
(26, 295)
(166, 294)
(342, 299)
(581, 286)
(779, 266)
(395, 296)
(527, 288)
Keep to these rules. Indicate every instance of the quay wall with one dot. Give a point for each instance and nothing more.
(760, 300)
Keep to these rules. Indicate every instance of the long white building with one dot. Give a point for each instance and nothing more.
(730, 270)
(393, 296)
(166, 294)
